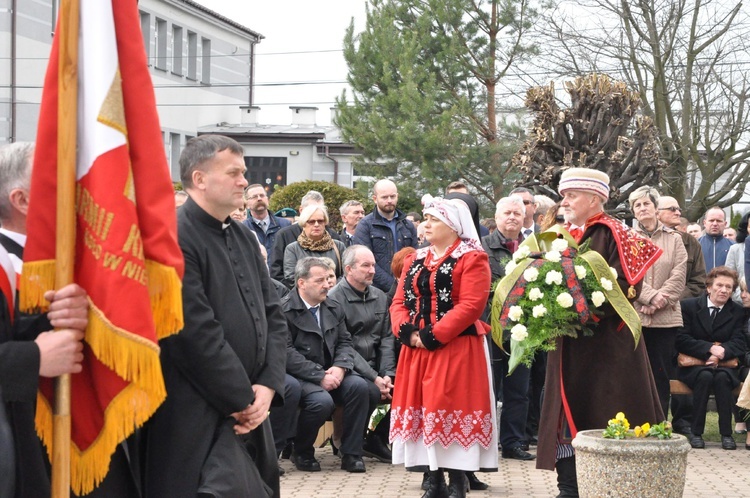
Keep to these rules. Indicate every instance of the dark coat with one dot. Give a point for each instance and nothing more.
(268, 237)
(602, 374)
(698, 334)
(369, 323)
(494, 246)
(374, 233)
(695, 281)
(234, 337)
(311, 351)
(284, 237)
(19, 381)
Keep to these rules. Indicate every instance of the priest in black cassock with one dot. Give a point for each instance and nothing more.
(211, 437)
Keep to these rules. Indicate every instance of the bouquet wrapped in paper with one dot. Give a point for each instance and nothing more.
(553, 288)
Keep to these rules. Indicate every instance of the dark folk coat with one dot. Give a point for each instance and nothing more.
(698, 334)
(597, 376)
(234, 337)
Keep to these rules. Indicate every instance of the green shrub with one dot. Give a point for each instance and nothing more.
(334, 195)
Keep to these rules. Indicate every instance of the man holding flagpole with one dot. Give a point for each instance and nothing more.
(101, 214)
(224, 369)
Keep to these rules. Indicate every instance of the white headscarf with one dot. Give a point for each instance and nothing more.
(455, 214)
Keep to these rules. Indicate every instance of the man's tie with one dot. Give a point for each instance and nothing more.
(527, 232)
(714, 312)
(263, 225)
(314, 311)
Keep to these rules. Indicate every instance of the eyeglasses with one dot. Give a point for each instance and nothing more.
(560, 218)
(256, 196)
(527, 202)
(316, 222)
(674, 209)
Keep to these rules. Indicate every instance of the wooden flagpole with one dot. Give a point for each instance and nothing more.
(67, 113)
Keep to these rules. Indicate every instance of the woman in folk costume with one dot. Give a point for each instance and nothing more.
(443, 411)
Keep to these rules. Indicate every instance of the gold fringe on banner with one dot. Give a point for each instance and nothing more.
(132, 357)
(165, 290)
(37, 278)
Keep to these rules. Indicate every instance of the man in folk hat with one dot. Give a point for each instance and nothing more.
(590, 379)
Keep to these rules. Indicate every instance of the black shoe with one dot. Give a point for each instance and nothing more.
(533, 440)
(524, 446)
(374, 447)
(286, 453)
(696, 441)
(518, 454)
(727, 443)
(426, 481)
(458, 484)
(305, 464)
(682, 429)
(281, 472)
(437, 487)
(474, 483)
(747, 446)
(567, 483)
(352, 463)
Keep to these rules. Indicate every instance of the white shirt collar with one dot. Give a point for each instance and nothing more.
(18, 238)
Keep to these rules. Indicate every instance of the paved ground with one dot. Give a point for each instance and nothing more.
(712, 472)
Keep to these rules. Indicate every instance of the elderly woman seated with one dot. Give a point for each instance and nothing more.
(710, 341)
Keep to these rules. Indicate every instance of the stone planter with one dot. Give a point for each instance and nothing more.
(642, 467)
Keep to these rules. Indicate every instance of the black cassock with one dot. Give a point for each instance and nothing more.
(234, 337)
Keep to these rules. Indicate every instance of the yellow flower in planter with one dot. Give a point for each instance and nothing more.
(619, 428)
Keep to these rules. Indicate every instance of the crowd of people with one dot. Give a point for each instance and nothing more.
(290, 324)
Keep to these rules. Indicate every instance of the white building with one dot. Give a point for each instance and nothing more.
(201, 64)
(277, 155)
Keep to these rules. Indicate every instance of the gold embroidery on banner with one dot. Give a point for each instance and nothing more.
(112, 112)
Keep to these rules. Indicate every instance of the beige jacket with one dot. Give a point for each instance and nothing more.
(667, 276)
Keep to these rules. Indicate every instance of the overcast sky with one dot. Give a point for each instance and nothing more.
(314, 29)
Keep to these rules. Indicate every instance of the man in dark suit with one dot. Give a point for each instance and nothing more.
(713, 331)
(320, 357)
(223, 370)
(260, 219)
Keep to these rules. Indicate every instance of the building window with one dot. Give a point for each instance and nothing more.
(192, 63)
(175, 150)
(205, 61)
(146, 30)
(177, 50)
(267, 171)
(161, 44)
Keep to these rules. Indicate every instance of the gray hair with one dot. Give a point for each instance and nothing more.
(345, 207)
(311, 196)
(511, 199)
(199, 150)
(308, 211)
(15, 172)
(641, 192)
(304, 266)
(350, 255)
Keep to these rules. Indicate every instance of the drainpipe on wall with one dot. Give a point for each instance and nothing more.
(335, 167)
(13, 110)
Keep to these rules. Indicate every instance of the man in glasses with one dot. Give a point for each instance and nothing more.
(669, 214)
(260, 220)
(530, 205)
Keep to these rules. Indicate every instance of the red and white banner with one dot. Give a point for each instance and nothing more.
(126, 257)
